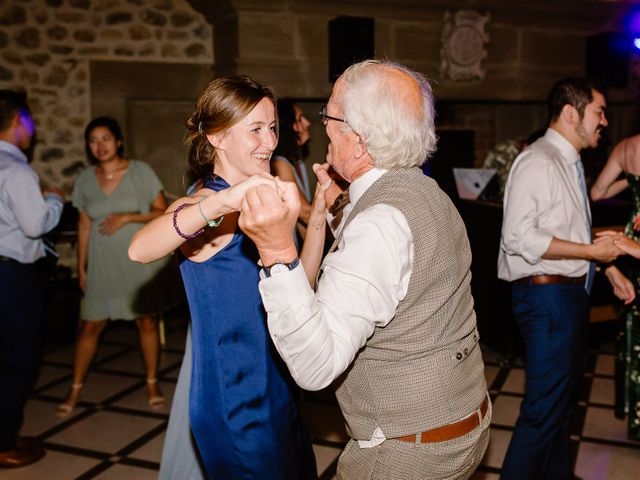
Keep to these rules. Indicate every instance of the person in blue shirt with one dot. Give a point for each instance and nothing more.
(26, 213)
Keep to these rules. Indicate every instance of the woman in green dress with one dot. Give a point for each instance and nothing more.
(625, 159)
(115, 198)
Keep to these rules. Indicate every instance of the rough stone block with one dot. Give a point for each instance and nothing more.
(151, 17)
(61, 49)
(84, 35)
(57, 32)
(139, 32)
(13, 15)
(195, 50)
(28, 37)
(162, 4)
(39, 14)
(93, 51)
(57, 76)
(111, 34)
(70, 16)
(62, 135)
(178, 35)
(202, 31)
(39, 58)
(147, 50)
(103, 5)
(169, 50)
(51, 154)
(181, 18)
(81, 4)
(14, 58)
(123, 50)
(117, 18)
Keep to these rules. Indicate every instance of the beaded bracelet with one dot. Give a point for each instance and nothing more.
(211, 223)
(175, 223)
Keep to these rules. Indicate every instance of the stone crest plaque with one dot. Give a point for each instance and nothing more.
(463, 42)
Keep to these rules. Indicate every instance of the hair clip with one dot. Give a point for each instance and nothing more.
(200, 127)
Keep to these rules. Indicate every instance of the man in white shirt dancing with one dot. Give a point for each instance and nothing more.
(546, 251)
(393, 313)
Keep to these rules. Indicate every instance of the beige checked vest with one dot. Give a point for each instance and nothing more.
(425, 368)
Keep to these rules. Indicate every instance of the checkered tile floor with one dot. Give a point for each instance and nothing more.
(113, 435)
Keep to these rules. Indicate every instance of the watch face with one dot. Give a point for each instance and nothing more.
(278, 268)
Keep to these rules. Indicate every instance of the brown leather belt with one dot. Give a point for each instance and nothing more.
(450, 431)
(547, 279)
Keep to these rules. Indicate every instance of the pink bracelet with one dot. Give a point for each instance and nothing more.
(175, 223)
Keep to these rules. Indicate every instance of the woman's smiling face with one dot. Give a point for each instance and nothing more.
(245, 149)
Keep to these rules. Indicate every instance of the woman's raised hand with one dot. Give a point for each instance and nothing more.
(235, 194)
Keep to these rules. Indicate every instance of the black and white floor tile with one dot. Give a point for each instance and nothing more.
(113, 435)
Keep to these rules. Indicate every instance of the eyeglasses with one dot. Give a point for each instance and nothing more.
(324, 118)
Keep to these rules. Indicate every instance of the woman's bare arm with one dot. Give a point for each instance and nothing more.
(159, 238)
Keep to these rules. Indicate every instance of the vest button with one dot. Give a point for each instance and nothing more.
(459, 356)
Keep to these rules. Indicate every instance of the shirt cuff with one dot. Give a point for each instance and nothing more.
(53, 196)
(283, 290)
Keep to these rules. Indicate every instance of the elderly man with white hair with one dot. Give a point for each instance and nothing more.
(391, 320)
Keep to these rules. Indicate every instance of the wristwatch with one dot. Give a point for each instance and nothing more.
(280, 267)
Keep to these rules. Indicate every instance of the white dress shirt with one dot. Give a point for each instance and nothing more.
(319, 334)
(543, 199)
(25, 215)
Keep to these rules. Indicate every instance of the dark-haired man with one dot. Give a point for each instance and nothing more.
(546, 251)
(25, 215)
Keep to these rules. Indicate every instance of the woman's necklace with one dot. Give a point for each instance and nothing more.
(110, 175)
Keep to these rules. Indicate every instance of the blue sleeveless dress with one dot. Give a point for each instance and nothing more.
(242, 406)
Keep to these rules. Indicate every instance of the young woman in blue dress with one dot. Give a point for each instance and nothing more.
(242, 403)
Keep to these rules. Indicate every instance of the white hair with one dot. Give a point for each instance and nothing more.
(395, 133)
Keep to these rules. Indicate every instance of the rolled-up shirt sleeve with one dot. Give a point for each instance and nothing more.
(318, 334)
(35, 214)
(529, 200)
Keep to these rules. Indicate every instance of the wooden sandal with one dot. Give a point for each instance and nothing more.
(66, 408)
(155, 402)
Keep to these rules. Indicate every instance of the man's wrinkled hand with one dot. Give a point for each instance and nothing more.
(268, 216)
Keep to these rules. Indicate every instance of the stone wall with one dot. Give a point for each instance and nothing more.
(46, 47)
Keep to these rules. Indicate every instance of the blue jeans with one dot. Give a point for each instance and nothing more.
(552, 321)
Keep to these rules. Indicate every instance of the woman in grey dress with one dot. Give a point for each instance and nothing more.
(115, 198)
